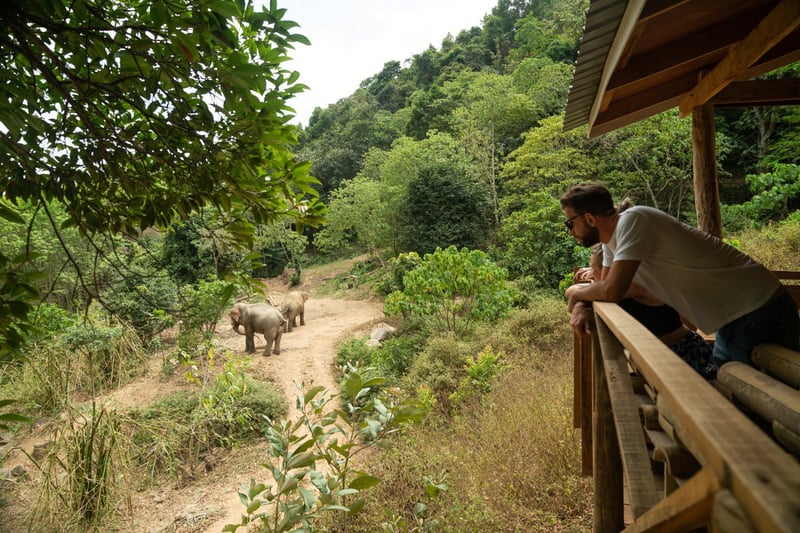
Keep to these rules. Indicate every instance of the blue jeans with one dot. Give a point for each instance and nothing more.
(775, 322)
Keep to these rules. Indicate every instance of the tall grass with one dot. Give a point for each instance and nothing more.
(777, 246)
(510, 459)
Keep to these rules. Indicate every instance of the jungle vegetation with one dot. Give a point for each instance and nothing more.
(151, 170)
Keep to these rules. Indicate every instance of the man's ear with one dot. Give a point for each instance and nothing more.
(590, 219)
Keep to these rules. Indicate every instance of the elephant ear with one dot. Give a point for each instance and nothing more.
(234, 314)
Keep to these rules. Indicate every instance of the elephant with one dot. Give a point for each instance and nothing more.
(258, 318)
(292, 306)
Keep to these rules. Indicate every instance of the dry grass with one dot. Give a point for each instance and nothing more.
(511, 459)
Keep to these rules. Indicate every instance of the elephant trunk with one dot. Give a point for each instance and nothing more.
(236, 329)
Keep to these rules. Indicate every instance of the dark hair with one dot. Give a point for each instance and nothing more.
(589, 198)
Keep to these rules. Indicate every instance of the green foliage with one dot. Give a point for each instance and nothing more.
(775, 194)
(179, 427)
(445, 205)
(49, 321)
(776, 245)
(16, 292)
(180, 105)
(202, 305)
(9, 418)
(533, 242)
(109, 356)
(352, 351)
(394, 356)
(651, 161)
(396, 270)
(68, 358)
(525, 439)
(329, 435)
(453, 287)
(437, 370)
(548, 160)
(481, 372)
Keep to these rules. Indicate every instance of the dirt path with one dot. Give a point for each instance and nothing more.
(206, 501)
(306, 357)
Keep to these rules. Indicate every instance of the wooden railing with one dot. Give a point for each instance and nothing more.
(686, 454)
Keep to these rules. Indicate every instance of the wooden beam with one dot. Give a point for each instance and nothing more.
(633, 448)
(779, 23)
(687, 508)
(764, 395)
(778, 361)
(705, 47)
(759, 93)
(609, 502)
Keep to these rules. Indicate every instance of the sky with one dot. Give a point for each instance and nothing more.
(351, 40)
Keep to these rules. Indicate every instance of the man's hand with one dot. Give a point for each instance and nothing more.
(583, 275)
(579, 318)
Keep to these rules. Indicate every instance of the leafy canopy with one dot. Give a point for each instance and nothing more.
(133, 114)
(453, 287)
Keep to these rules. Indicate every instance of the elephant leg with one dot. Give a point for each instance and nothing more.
(250, 342)
(278, 335)
(290, 321)
(268, 347)
(302, 318)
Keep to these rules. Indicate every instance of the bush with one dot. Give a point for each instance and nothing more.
(353, 352)
(395, 356)
(453, 288)
(178, 428)
(439, 366)
(776, 246)
(396, 270)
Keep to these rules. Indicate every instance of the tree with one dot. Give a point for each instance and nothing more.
(454, 287)
(135, 114)
(445, 204)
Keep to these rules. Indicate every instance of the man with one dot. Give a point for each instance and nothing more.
(712, 284)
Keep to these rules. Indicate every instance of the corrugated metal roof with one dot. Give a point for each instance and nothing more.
(638, 58)
(602, 22)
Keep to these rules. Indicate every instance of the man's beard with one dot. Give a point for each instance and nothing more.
(591, 238)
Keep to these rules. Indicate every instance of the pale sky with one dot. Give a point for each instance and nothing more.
(351, 40)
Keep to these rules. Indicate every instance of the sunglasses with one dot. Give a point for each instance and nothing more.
(569, 222)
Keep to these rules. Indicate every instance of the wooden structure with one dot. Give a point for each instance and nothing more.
(728, 461)
(638, 58)
(724, 466)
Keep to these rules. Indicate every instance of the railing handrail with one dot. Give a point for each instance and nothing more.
(735, 454)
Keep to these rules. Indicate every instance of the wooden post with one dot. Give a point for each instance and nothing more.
(607, 463)
(706, 183)
(587, 397)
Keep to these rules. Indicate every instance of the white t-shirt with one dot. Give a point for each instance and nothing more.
(709, 282)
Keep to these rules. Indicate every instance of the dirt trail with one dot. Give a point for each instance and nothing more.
(206, 501)
(306, 357)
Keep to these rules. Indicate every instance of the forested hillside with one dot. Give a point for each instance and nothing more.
(471, 131)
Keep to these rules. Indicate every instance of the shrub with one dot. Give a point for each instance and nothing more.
(777, 246)
(453, 288)
(481, 372)
(353, 351)
(395, 356)
(176, 429)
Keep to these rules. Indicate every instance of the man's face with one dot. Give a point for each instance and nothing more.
(579, 228)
